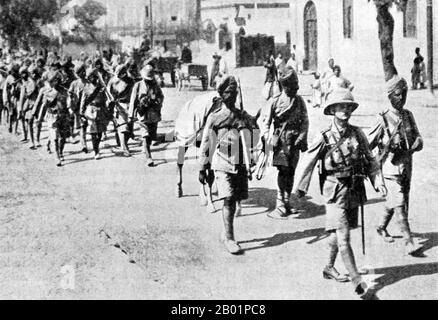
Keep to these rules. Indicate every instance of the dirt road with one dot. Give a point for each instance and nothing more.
(112, 229)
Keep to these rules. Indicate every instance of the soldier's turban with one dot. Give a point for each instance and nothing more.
(228, 87)
(396, 82)
(289, 78)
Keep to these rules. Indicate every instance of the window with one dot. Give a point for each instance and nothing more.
(410, 19)
(348, 18)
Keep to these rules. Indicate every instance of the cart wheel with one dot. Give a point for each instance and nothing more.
(204, 84)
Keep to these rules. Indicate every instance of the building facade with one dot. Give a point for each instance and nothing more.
(346, 30)
(129, 21)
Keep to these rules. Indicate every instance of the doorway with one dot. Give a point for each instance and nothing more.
(310, 37)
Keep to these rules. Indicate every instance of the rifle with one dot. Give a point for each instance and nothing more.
(243, 139)
(119, 108)
(384, 154)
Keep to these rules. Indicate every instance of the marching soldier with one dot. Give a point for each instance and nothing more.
(121, 89)
(36, 110)
(147, 98)
(28, 95)
(76, 91)
(345, 159)
(94, 109)
(288, 114)
(222, 150)
(11, 95)
(54, 110)
(397, 138)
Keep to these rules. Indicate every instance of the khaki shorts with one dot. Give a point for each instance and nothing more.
(232, 185)
(337, 218)
(398, 192)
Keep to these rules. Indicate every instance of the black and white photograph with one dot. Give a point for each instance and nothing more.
(218, 150)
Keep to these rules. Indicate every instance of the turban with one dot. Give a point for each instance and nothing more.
(396, 82)
(289, 78)
(228, 87)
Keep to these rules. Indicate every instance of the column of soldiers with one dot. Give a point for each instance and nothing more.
(90, 97)
(343, 154)
(76, 99)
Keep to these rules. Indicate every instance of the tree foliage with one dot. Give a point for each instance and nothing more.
(20, 19)
(86, 16)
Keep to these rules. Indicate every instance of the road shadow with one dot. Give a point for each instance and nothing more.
(428, 241)
(266, 198)
(283, 238)
(308, 209)
(391, 275)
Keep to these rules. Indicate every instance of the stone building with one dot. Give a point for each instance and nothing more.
(346, 30)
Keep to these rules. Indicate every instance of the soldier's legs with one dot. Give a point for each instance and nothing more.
(383, 225)
(228, 211)
(39, 127)
(96, 138)
(83, 138)
(284, 189)
(330, 271)
(24, 128)
(344, 246)
(31, 133)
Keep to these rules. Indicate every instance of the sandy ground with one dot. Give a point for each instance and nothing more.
(113, 229)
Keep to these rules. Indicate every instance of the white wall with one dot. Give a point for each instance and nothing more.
(360, 56)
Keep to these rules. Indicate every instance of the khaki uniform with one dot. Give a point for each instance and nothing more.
(76, 92)
(396, 134)
(122, 91)
(291, 125)
(94, 108)
(147, 99)
(54, 110)
(28, 95)
(397, 169)
(345, 160)
(222, 151)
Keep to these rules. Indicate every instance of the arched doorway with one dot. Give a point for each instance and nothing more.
(310, 37)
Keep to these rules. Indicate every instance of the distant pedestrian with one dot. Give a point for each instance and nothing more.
(316, 91)
(271, 84)
(338, 81)
(418, 71)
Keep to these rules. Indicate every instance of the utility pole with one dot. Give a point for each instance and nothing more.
(430, 44)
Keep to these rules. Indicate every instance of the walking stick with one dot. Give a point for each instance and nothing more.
(362, 217)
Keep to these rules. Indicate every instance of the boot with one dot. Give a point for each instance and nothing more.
(383, 233)
(331, 273)
(289, 210)
(280, 212)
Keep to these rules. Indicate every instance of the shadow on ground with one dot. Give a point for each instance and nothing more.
(283, 238)
(393, 275)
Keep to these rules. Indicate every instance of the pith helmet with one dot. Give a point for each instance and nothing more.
(339, 96)
(147, 72)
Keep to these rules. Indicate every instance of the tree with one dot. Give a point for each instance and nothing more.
(386, 33)
(20, 19)
(86, 16)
